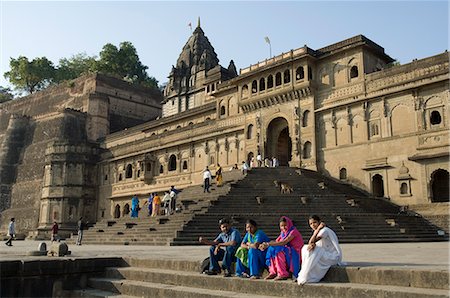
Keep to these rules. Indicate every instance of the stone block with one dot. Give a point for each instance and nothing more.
(58, 249)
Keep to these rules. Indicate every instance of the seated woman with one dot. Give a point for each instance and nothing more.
(250, 260)
(283, 254)
(322, 252)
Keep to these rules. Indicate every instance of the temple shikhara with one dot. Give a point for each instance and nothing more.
(346, 111)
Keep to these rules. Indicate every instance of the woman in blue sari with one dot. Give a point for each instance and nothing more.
(250, 260)
(134, 206)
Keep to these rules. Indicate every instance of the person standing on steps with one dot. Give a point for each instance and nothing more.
(11, 232)
(80, 227)
(206, 180)
(55, 229)
(134, 206)
(173, 193)
(219, 177)
(229, 239)
(259, 160)
(156, 204)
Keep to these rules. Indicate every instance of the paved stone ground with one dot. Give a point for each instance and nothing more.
(429, 255)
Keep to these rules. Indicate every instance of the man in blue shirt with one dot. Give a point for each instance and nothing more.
(230, 239)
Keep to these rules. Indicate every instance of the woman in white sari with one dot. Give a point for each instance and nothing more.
(320, 254)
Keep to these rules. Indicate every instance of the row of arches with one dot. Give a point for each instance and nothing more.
(271, 81)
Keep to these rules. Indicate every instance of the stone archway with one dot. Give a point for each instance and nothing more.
(439, 186)
(126, 209)
(377, 185)
(117, 211)
(279, 142)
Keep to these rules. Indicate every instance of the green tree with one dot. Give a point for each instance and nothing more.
(75, 66)
(30, 76)
(5, 94)
(124, 62)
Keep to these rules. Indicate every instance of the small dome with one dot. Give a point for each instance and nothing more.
(403, 170)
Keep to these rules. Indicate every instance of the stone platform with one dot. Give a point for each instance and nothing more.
(373, 270)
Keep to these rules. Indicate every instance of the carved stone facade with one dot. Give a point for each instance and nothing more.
(342, 110)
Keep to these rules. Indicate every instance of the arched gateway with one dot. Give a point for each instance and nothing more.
(439, 186)
(279, 143)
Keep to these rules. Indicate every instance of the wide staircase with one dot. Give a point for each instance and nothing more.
(173, 278)
(352, 214)
(160, 230)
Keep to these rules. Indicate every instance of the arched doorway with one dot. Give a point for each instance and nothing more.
(279, 143)
(439, 186)
(117, 211)
(377, 185)
(250, 157)
(126, 209)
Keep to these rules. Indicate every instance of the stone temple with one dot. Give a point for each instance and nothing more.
(85, 147)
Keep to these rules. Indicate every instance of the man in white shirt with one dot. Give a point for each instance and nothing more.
(206, 180)
(259, 159)
(11, 232)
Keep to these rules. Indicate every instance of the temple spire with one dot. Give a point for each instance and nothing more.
(198, 22)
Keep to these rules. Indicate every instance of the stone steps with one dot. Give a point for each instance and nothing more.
(176, 278)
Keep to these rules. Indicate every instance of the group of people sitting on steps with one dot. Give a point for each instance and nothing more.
(285, 257)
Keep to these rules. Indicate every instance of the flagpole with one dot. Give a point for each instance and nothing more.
(270, 45)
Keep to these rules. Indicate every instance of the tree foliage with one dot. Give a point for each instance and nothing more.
(75, 66)
(5, 94)
(30, 76)
(122, 62)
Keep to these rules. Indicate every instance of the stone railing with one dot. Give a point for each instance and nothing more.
(282, 56)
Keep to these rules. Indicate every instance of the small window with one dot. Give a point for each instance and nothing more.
(287, 76)
(106, 177)
(120, 177)
(191, 123)
(129, 171)
(307, 150)
(404, 188)
(211, 160)
(305, 118)
(254, 87)
(148, 167)
(435, 118)
(310, 73)
(139, 173)
(185, 165)
(262, 84)
(222, 110)
(374, 129)
(250, 132)
(161, 169)
(300, 73)
(278, 79)
(354, 72)
(172, 163)
(343, 174)
(270, 81)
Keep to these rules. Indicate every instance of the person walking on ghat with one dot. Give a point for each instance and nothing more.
(11, 232)
(80, 227)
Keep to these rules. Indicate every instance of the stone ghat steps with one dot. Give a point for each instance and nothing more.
(167, 278)
(355, 217)
(159, 230)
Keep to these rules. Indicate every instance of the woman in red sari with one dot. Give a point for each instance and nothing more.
(284, 254)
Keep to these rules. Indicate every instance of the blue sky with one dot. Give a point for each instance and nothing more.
(236, 29)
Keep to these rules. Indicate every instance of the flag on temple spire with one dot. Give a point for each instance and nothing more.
(267, 39)
(190, 26)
